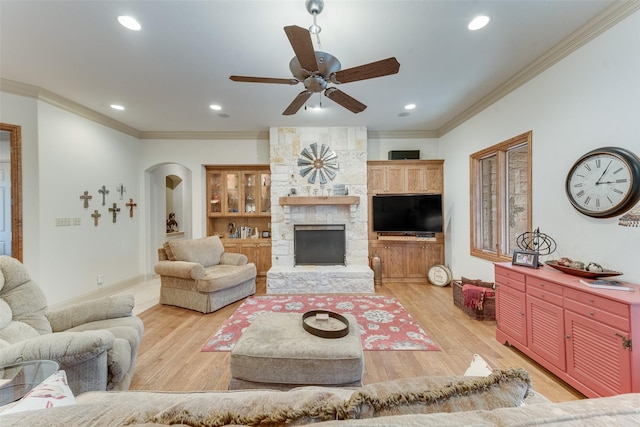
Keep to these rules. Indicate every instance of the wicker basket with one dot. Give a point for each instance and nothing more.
(488, 311)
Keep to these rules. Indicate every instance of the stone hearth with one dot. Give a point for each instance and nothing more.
(350, 145)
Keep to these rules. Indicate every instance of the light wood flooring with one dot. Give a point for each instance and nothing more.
(170, 358)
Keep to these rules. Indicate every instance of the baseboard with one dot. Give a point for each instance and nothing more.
(102, 292)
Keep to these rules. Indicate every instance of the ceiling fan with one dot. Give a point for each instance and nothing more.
(316, 70)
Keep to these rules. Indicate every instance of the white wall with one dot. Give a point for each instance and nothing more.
(22, 111)
(64, 155)
(588, 100)
(378, 149)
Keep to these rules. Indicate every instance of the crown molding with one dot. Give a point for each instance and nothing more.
(215, 135)
(63, 103)
(401, 134)
(587, 32)
(599, 24)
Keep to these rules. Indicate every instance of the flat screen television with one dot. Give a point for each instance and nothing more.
(407, 213)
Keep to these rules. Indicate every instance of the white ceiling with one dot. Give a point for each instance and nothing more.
(170, 72)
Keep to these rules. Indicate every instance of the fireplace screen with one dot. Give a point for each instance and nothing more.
(319, 244)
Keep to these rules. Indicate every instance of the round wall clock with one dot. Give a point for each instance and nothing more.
(439, 275)
(321, 164)
(604, 182)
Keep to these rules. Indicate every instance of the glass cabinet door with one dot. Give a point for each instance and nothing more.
(249, 184)
(233, 192)
(265, 192)
(215, 192)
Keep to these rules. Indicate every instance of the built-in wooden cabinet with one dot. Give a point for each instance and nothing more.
(405, 258)
(239, 198)
(407, 261)
(583, 335)
(405, 176)
(257, 250)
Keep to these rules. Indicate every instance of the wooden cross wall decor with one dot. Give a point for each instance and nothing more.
(121, 189)
(115, 209)
(95, 215)
(104, 192)
(131, 205)
(86, 197)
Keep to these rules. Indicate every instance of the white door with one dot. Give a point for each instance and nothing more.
(5, 208)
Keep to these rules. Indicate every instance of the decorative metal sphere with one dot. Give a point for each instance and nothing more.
(536, 241)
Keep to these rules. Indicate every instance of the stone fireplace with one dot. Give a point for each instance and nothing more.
(352, 274)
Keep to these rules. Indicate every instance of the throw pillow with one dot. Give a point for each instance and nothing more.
(168, 251)
(424, 395)
(54, 391)
(478, 367)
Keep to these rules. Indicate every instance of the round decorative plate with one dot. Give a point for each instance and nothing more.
(582, 273)
(321, 164)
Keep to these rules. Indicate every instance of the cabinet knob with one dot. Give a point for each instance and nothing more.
(567, 336)
(591, 313)
(590, 299)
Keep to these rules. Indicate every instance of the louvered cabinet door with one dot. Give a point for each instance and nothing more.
(545, 330)
(597, 355)
(511, 316)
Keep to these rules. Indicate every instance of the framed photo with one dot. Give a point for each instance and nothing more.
(525, 258)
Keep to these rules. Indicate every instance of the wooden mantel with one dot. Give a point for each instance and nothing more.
(322, 200)
(350, 201)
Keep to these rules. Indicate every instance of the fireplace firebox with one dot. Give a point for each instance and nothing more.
(322, 244)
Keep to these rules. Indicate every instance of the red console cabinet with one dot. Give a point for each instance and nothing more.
(583, 335)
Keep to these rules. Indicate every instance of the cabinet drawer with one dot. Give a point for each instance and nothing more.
(510, 274)
(507, 281)
(533, 283)
(614, 307)
(602, 310)
(545, 295)
(547, 291)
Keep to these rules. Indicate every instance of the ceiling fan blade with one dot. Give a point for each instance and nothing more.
(338, 96)
(367, 71)
(263, 80)
(302, 45)
(297, 103)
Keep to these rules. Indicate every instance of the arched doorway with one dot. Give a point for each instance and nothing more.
(167, 188)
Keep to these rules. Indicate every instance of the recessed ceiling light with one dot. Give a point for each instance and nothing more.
(215, 107)
(129, 22)
(117, 107)
(478, 22)
(410, 106)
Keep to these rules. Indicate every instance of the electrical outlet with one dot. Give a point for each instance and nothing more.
(100, 279)
(63, 222)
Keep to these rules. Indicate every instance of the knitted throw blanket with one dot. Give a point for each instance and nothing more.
(473, 296)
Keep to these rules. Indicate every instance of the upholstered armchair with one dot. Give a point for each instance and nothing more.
(199, 274)
(96, 342)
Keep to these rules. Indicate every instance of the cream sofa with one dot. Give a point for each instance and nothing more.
(504, 398)
(95, 342)
(199, 275)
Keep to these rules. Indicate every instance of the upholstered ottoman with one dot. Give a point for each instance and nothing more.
(276, 352)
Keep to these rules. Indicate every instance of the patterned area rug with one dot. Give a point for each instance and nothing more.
(383, 322)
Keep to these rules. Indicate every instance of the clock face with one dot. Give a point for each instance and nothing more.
(604, 182)
(319, 164)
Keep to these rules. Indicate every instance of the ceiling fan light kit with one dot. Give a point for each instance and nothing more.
(316, 70)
